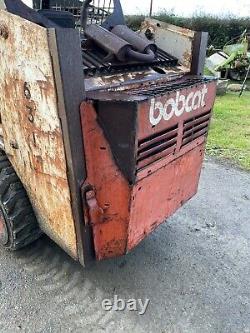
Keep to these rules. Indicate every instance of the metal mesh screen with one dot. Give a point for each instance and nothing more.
(98, 11)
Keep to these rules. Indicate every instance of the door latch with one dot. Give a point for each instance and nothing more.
(94, 214)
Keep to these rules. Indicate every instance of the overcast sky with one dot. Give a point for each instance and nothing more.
(186, 7)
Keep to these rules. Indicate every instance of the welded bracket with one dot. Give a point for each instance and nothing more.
(93, 213)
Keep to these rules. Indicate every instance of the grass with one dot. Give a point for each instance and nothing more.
(229, 136)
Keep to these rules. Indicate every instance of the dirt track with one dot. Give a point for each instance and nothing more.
(195, 270)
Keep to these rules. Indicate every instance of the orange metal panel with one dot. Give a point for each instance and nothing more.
(159, 195)
(112, 189)
(130, 212)
(165, 111)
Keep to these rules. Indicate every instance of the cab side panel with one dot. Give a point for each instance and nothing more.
(32, 130)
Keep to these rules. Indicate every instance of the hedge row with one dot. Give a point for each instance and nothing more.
(221, 30)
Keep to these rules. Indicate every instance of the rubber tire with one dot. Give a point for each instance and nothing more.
(18, 222)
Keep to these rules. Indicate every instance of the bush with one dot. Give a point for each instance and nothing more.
(221, 30)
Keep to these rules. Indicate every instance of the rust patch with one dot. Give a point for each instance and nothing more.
(4, 32)
(31, 127)
(130, 211)
(164, 191)
(175, 40)
(112, 190)
(187, 58)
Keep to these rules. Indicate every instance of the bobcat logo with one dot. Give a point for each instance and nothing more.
(177, 106)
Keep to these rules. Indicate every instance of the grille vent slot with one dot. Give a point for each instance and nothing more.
(162, 89)
(156, 146)
(195, 128)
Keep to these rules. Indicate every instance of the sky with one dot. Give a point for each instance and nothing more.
(186, 7)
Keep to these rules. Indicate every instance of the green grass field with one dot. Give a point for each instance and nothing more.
(229, 136)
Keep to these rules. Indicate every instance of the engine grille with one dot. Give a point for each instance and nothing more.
(163, 144)
(156, 146)
(162, 89)
(195, 127)
(95, 63)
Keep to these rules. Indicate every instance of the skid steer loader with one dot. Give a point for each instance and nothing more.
(102, 129)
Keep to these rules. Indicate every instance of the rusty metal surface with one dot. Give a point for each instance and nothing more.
(159, 115)
(170, 122)
(175, 40)
(161, 137)
(159, 86)
(31, 126)
(165, 110)
(122, 139)
(182, 110)
(17, 7)
(139, 86)
(65, 49)
(111, 188)
(133, 79)
(163, 191)
(125, 218)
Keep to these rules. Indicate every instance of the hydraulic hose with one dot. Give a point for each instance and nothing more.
(149, 56)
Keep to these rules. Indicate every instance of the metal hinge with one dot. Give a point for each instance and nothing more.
(93, 213)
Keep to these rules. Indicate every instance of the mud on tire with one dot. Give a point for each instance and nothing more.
(18, 224)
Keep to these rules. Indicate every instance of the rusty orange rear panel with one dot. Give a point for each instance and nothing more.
(157, 196)
(112, 190)
(143, 172)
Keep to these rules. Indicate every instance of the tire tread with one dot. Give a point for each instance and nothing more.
(19, 216)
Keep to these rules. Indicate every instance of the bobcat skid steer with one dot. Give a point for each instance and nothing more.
(102, 130)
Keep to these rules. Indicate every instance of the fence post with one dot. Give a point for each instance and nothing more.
(151, 8)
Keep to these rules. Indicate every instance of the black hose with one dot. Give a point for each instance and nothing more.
(146, 57)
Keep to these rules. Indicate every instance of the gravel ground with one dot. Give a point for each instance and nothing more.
(195, 270)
